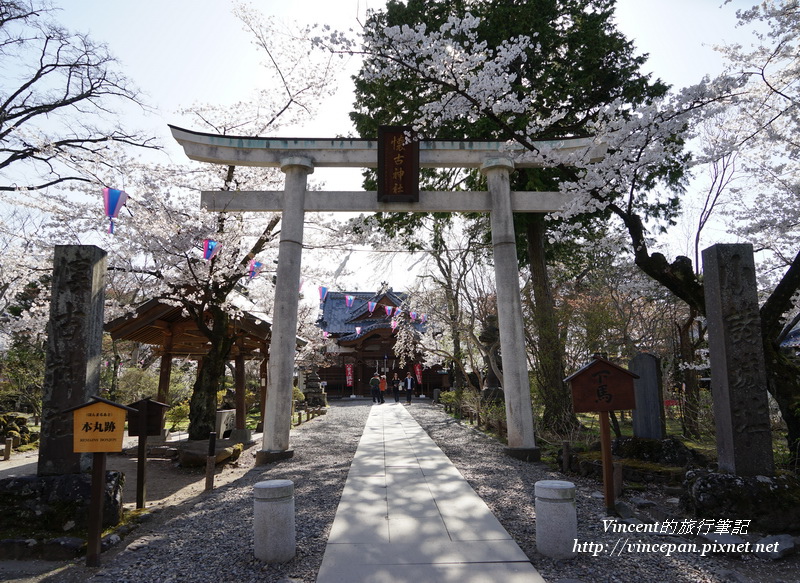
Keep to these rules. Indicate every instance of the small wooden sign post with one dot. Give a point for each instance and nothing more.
(599, 387)
(97, 428)
(148, 420)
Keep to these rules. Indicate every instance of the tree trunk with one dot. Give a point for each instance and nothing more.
(558, 414)
(203, 403)
(691, 404)
(783, 378)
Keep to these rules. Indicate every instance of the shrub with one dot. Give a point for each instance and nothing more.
(177, 414)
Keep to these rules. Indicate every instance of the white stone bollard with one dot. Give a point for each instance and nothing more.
(273, 521)
(556, 518)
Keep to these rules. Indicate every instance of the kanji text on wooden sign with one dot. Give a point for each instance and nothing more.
(602, 386)
(398, 164)
(98, 427)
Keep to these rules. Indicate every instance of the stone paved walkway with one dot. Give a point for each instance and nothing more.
(407, 515)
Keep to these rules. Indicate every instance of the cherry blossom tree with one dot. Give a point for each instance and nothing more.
(156, 250)
(52, 77)
(576, 62)
(639, 184)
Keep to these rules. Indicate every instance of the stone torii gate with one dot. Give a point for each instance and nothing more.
(297, 158)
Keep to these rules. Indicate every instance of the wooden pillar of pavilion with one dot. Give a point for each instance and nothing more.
(165, 368)
(241, 409)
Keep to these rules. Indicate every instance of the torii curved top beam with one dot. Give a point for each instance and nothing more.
(363, 153)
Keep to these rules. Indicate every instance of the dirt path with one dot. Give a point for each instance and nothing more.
(167, 486)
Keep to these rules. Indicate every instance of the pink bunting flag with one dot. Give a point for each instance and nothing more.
(323, 292)
(394, 325)
(113, 200)
(348, 300)
(423, 318)
(372, 306)
(358, 330)
(255, 268)
(413, 315)
(388, 310)
(210, 249)
(324, 333)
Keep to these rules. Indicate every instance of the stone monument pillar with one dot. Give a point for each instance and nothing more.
(72, 360)
(648, 417)
(738, 373)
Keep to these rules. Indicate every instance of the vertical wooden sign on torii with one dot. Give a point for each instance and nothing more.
(398, 164)
(298, 157)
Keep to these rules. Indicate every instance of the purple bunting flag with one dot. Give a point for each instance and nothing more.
(210, 249)
(114, 200)
(255, 268)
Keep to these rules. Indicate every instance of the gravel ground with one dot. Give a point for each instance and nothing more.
(211, 540)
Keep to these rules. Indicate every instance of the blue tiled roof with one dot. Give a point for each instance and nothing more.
(340, 320)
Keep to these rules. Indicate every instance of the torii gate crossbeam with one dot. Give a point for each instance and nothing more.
(297, 158)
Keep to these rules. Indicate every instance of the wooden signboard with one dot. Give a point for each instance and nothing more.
(599, 387)
(398, 164)
(602, 386)
(98, 427)
(148, 419)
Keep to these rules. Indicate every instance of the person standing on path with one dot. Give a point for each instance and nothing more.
(408, 384)
(382, 387)
(396, 382)
(375, 388)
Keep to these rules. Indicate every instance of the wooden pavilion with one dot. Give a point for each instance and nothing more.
(175, 334)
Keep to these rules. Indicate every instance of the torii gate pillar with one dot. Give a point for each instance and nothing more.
(278, 407)
(516, 386)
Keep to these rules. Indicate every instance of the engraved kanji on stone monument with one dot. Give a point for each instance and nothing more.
(738, 373)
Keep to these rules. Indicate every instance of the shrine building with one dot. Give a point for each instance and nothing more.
(361, 329)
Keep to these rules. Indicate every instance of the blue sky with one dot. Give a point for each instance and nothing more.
(182, 51)
(179, 52)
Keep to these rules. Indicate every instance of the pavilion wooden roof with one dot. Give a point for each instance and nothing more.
(156, 323)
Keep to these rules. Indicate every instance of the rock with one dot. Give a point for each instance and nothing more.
(729, 576)
(775, 547)
(17, 549)
(62, 548)
(669, 452)
(195, 453)
(641, 502)
(769, 503)
(57, 503)
(109, 541)
(623, 509)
